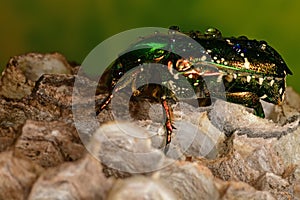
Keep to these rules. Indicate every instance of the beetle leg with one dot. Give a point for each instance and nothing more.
(247, 99)
(107, 100)
(103, 104)
(168, 123)
(135, 91)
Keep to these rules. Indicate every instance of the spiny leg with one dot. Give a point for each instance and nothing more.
(161, 94)
(103, 104)
(168, 123)
(247, 99)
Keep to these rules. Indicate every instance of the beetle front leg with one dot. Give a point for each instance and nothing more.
(168, 123)
(247, 99)
(132, 79)
(103, 104)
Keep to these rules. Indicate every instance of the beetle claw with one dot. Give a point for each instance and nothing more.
(166, 148)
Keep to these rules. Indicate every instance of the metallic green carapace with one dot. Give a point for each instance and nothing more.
(250, 70)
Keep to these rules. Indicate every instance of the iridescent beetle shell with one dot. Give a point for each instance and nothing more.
(249, 65)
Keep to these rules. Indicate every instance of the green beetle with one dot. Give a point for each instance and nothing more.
(250, 70)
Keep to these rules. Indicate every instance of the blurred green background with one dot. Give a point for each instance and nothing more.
(74, 28)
